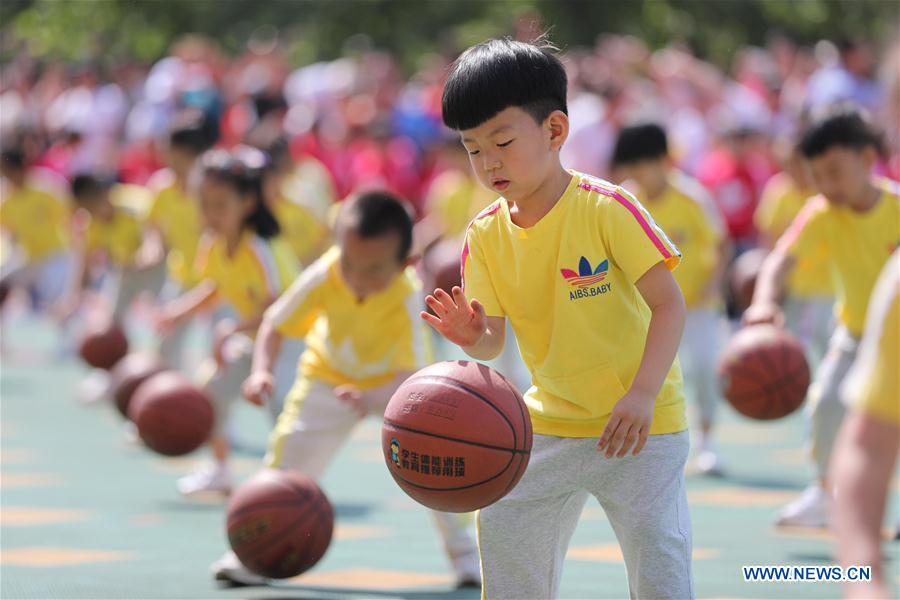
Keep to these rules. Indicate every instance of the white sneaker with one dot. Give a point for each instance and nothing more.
(468, 569)
(229, 569)
(94, 387)
(210, 477)
(809, 510)
(708, 462)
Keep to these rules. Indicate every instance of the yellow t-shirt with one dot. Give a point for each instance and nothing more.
(779, 204)
(455, 198)
(363, 343)
(119, 238)
(686, 212)
(258, 271)
(856, 245)
(37, 221)
(874, 382)
(178, 217)
(299, 228)
(567, 284)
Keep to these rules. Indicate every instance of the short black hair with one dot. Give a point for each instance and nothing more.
(374, 214)
(645, 141)
(842, 125)
(192, 130)
(13, 158)
(494, 75)
(88, 185)
(243, 169)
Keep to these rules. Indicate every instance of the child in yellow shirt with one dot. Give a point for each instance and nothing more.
(855, 221)
(686, 212)
(867, 445)
(583, 273)
(357, 308)
(38, 224)
(173, 222)
(243, 265)
(810, 293)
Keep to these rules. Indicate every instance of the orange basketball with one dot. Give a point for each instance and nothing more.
(172, 415)
(763, 372)
(103, 344)
(128, 374)
(279, 523)
(456, 436)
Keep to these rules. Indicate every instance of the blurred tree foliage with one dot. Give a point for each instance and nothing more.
(321, 29)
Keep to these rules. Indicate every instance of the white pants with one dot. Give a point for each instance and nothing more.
(129, 282)
(314, 424)
(825, 407)
(812, 321)
(704, 331)
(46, 280)
(524, 536)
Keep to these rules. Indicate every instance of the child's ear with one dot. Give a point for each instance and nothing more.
(411, 260)
(558, 124)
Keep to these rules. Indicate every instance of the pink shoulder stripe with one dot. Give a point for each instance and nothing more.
(789, 237)
(493, 208)
(635, 212)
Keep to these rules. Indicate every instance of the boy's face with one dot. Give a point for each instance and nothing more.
(180, 160)
(369, 265)
(649, 174)
(98, 204)
(842, 174)
(512, 154)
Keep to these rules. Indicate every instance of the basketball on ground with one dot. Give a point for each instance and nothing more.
(279, 523)
(763, 372)
(128, 374)
(103, 344)
(172, 415)
(456, 436)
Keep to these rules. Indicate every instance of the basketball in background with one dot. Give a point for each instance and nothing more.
(763, 372)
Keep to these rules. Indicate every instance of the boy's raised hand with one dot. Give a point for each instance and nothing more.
(460, 321)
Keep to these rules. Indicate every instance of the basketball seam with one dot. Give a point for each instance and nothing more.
(452, 439)
(274, 504)
(526, 419)
(456, 384)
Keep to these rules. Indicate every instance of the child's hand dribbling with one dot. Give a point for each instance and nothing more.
(762, 313)
(353, 397)
(258, 387)
(461, 322)
(629, 424)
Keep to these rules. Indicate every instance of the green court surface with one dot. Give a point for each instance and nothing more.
(86, 514)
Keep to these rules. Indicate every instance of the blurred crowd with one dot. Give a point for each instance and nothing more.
(372, 125)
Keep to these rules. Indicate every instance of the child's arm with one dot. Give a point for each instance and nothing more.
(713, 287)
(465, 324)
(187, 305)
(71, 299)
(770, 285)
(629, 424)
(261, 382)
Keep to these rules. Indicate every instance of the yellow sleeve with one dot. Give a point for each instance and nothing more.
(415, 348)
(766, 213)
(873, 384)
(808, 232)
(635, 241)
(476, 280)
(295, 311)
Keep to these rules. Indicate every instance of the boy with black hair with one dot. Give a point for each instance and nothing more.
(686, 211)
(38, 224)
(583, 273)
(855, 223)
(173, 221)
(356, 307)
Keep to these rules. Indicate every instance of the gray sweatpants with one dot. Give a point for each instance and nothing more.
(524, 537)
(825, 407)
